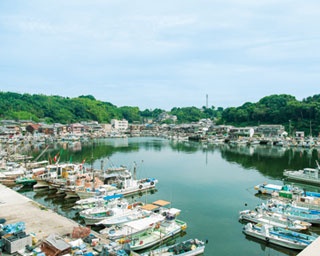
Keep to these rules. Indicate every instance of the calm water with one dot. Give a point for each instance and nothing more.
(210, 184)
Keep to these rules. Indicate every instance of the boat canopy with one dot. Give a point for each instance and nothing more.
(161, 203)
(144, 223)
(150, 207)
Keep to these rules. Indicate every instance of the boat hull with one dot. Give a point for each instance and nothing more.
(187, 248)
(278, 236)
(274, 241)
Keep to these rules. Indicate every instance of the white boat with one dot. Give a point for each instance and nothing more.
(56, 175)
(92, 202)
(274, 219)
(292, 211)
(123, 216)
(155, 235)
(132, 227)
(115, 209)
(309, 175)
(85, 192)
(125, 187)
(9, 171)
(280, 190)
(279, 236)
(188, 247)
(266, 188)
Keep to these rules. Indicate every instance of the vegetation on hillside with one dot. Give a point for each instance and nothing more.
(274, 109)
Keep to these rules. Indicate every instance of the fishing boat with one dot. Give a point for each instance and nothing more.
(279, 236)
(267, 188)
(56, 175)
(155, 235)
(114, 210)
(308, 175)
(125, 187)
(9, 171)
(124, 216)
(286, 191)
(132, 227)
(92, 202)
(25, 181)
(292, 211)
(188, 247)
(274, 219)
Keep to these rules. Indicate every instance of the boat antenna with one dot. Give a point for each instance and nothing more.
(102, 165)
(134, 170)
(37, 158)
(93, 177)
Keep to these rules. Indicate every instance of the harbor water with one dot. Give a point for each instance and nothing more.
(209, 183)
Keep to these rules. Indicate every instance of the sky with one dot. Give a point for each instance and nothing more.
(161, 54)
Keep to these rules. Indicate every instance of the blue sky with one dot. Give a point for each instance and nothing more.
(161, 54)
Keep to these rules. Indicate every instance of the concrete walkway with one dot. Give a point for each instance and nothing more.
(312, 250)
(38, 219)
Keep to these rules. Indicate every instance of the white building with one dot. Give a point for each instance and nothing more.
(119, 125)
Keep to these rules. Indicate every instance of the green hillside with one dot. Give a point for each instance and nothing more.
(274, 109)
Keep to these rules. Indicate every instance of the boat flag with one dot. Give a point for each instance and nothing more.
(57, 156)
(82, 163)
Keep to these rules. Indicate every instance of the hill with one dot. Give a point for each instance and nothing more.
(274, 109)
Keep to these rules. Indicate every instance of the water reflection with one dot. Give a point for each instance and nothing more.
(210, 183)
(268, 248)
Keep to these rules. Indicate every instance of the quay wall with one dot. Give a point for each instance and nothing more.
(38, 219)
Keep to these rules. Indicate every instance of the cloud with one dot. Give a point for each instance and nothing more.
(160, 54)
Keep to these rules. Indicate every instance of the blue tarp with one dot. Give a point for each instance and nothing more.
(14, 227)
(115, 196)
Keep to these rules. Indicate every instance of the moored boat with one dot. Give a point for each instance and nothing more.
(25, 181)
(188, 247)
(308, 175)
(92, 202)
(132, 227)
(292, 211)
(114, 210)
(279, 236)
(157, 234)
(274, 219)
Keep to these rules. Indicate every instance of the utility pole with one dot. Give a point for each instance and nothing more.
(207, 101)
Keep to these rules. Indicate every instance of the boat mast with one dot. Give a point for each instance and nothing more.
(93, 176)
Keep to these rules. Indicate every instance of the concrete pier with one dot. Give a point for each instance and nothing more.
(39, 220)
(312, 250)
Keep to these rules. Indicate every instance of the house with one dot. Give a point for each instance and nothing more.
(120, 125)
(32, 128)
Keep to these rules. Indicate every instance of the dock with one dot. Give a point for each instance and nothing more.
(38, 219)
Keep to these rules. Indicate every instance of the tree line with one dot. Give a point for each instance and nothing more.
(274, 109)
